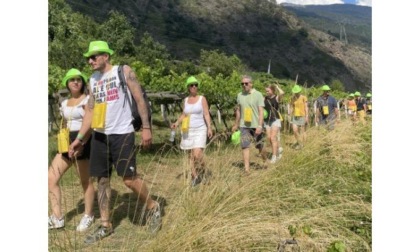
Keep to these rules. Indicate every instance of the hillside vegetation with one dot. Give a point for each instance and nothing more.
(320, 196)
(356, 21)
(255, 31)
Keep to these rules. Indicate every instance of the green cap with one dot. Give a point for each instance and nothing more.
(357, 93)
(296, 89)
(73, 73)
(98, 47)
(326, 88)
(236, 137)
(351, 95)
(368, 95)
(191, 80)
(265, 114)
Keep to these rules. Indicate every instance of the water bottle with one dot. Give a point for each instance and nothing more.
(172, 138)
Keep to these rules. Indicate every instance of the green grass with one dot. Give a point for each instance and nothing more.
(320, 195)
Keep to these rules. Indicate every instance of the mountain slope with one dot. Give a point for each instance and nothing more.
(348, 21)
(256, 31)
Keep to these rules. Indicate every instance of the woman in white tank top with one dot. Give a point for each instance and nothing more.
(195, 128)
(72, 110)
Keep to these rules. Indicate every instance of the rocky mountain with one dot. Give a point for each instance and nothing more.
(347, 22)
(257, 31)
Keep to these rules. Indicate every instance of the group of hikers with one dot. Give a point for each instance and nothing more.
(100, 135)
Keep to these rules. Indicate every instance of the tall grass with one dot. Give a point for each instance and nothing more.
(318, 195)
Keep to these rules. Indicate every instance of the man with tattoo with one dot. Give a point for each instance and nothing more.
(113, 138)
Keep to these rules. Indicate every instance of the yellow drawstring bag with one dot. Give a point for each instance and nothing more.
(185, 124)
(63, 139)
(99, 114)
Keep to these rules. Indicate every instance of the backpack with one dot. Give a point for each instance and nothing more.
(137, 123)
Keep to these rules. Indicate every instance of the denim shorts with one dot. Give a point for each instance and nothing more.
(275, 123)
(298, 120)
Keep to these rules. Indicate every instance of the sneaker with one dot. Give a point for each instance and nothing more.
(54, 223)
(206, 176)
(85, 223)
(196, 181)
(273, 159)
(280, 151)
(100, 233)
(297, 146)
(154, 219)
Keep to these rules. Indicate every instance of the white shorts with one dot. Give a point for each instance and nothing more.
(194, 138)
(275, 123)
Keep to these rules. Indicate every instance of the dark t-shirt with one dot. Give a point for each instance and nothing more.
(272, 107)
(331, 102)
(359, 103)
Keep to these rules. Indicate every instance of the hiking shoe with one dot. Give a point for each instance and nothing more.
(54, 223)
(196, 181)
(297, 146)
(273, 159)
(154, 219)
(100, 233)
(85, 223)
(205, 177)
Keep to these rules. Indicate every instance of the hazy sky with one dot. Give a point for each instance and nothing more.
(324, 2)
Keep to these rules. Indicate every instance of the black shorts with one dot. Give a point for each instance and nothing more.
(116, 150)
(85, 152)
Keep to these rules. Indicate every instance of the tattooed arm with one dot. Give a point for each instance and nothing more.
(134, 86)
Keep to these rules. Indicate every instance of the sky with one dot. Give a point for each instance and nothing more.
(326, 2)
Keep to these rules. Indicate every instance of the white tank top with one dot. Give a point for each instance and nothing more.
(73, 115)
(196, 113)
(106, 88)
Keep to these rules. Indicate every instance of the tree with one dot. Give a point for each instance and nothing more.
(337, 85)
(119, 34)
(149, 50)
(215, 63)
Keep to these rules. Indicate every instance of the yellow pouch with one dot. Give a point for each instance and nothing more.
(325, 110)
(99, 114)
(369, 107)
(63, 139)
(281, 117)
(247, 115)
(185, 124)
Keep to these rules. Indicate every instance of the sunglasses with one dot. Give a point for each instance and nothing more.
(94, 57)
(244, 83)
(193, 85)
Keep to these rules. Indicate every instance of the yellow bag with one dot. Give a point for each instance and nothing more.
(297, 111)
(325, 110)
(63, 139)
(248, 115)
(99, 114)
(280, 117)
(185, 124)
(369, 107)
